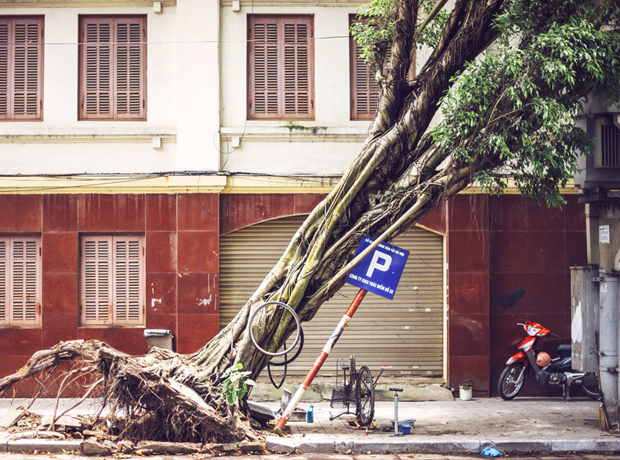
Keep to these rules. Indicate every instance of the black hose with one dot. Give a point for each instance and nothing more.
(286, 361)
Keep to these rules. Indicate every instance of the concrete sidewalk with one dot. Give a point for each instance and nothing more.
(538, 425)
(524, 425)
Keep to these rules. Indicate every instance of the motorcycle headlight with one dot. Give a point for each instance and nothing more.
(531, 330)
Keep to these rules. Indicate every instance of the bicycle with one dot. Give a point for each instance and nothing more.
(357, 388)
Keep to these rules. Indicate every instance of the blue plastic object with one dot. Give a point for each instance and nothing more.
(490, 452)
(404, 427)
(310, 414)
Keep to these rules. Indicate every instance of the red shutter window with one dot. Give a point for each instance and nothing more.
(112, 68)
(112, 290)
(21, 68)
(364, 86)
(20, 281)
(365, 90)
(281, 67)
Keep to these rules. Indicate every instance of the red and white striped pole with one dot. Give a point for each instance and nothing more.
(321, 359)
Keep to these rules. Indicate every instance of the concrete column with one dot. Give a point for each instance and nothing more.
(609, 247)
(608, 346)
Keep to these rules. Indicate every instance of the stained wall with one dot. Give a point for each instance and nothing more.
(507, 260)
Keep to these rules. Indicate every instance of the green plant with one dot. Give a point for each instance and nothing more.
(234, 384)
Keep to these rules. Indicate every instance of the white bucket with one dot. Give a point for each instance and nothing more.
(466, 390)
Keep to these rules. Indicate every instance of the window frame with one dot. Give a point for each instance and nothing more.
(280, 21)
(11, 22)
(83, 48)
(112, 282)
(372, 85)
(9, 284)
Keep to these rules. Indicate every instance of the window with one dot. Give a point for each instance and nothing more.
(281, 73)
(112, 280)
(364, 87)
(112, 72)
(20, 281)
(21, 68)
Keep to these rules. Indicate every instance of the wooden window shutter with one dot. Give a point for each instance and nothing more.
(96, 302)
(281, 79)
(128, 280)
(113, 280)
(365, 90)
(20, 281)
(4, 300)
(21, 68)
(25, 280)
(113, 68)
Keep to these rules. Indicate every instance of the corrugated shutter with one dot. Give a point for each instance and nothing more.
(113, 68)
(406, 333)
(21, 56)
(112, 286)
(281, 67)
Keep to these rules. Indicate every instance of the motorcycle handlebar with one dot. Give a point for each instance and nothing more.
(554, 335)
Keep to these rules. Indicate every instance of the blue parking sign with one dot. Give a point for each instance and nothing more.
(381, 270)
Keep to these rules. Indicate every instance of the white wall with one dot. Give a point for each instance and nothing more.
(62, 144)
(272, 146)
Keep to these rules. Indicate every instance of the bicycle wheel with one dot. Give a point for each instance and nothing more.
(365, 397)
(511, 381)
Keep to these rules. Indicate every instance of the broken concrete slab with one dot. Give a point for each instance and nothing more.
(10, 417)
(251, 447)
(66, 421)
(279, 445)
(95, 448)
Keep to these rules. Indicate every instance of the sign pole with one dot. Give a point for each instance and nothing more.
(321, 359)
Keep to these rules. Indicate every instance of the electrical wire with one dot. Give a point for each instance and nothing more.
(177, 42)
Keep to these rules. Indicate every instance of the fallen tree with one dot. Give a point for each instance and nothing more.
(507, 114)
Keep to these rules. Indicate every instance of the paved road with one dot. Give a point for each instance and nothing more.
(313, 457)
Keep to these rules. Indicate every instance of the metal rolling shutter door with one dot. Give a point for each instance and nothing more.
(406, 332)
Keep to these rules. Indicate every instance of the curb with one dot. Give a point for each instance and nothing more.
(363, 446)
(439, 446)
(42, 445)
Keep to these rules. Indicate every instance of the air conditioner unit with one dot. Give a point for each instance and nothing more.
(600, 171)
(607, 148)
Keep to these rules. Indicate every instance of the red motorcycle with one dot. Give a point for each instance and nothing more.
(557, 371)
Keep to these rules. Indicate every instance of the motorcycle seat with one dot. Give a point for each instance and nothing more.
(564, 350)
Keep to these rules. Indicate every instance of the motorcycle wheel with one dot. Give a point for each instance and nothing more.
(591, 391)
(510, 384)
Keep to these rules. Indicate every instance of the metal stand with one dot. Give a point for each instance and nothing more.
(396, 391)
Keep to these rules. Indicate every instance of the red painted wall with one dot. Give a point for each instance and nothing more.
(495, 247)
(182, 252)
(498, 247)
(532, 250)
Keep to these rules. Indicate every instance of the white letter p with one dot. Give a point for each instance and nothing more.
(375, 264)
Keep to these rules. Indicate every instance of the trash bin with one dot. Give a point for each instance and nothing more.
(160, 338)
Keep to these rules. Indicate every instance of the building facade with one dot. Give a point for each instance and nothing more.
(152, 152)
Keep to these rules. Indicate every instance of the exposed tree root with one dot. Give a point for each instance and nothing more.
(150, 397)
